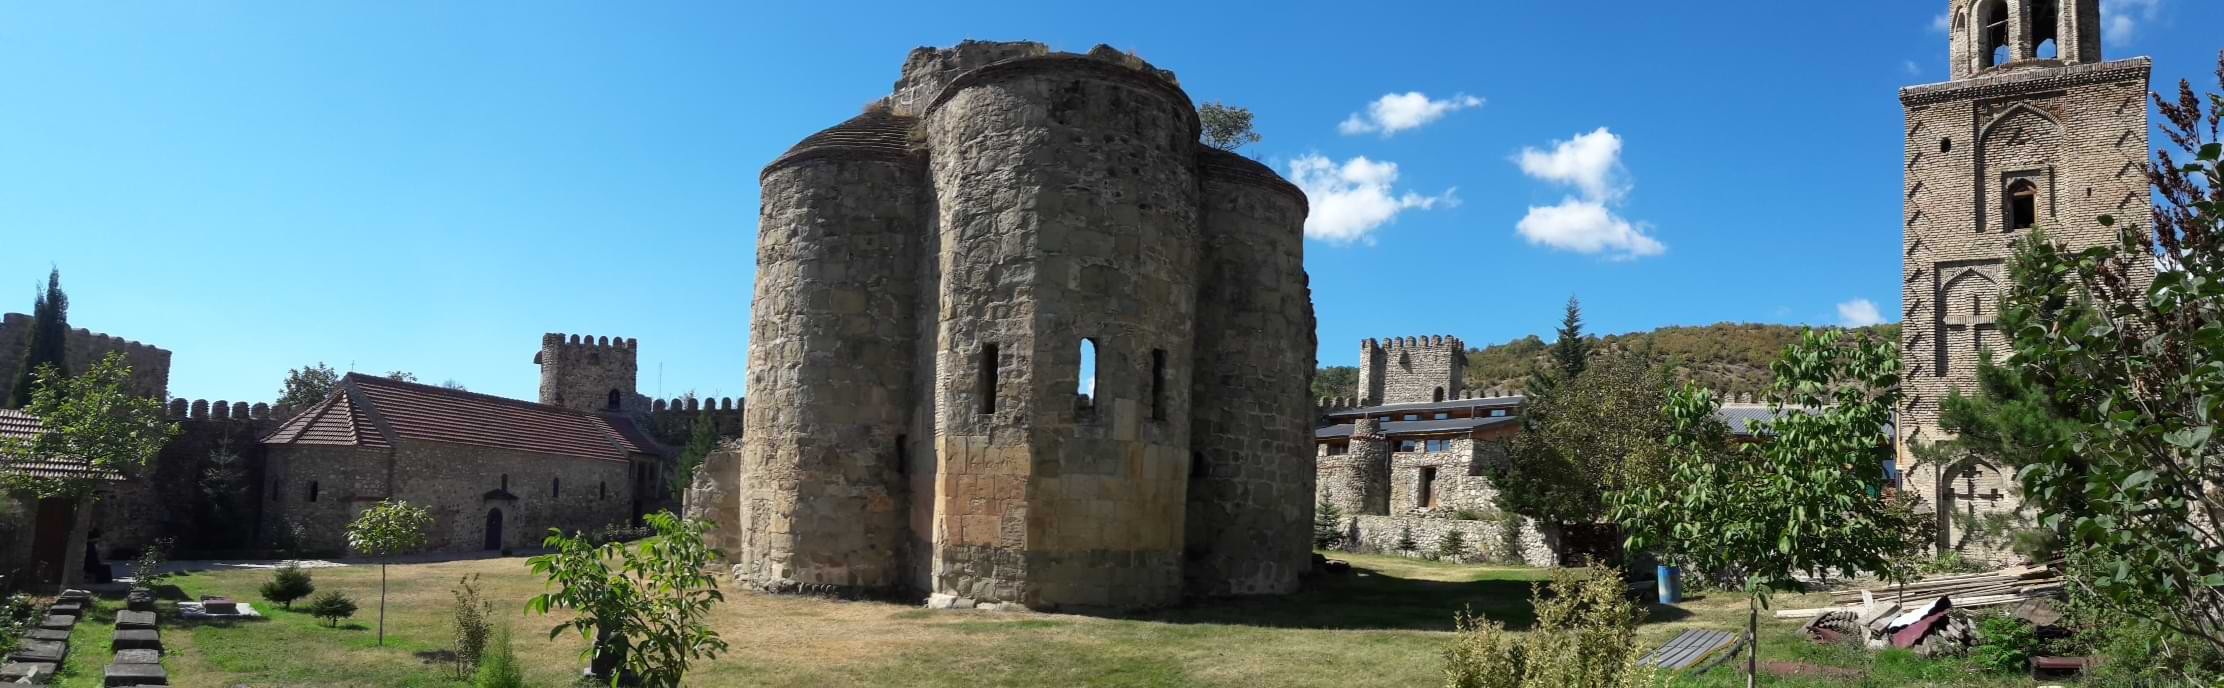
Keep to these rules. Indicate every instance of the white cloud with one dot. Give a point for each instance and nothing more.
(1587, 227)
(1592, 162)
(1940, 23)
(1351, 200)
(1395, 112)
(2120, 19)
(1912, 68)
(1859, 313)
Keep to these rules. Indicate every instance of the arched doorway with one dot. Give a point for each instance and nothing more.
(494, 529)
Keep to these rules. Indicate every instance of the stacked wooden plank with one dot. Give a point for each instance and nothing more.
(2010, 585)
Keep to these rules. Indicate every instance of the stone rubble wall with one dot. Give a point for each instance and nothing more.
(1482, 538)
(579, 372)
(1407, 370)
(81, 348)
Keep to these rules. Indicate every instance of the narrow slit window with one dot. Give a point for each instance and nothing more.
(312, 490)
(2023, 204)
(555, 487)
(505, 481)
(1085, 376)
(903, 454)
(986, 390)
(614, 399)
(1158, 384)
(1197, 467)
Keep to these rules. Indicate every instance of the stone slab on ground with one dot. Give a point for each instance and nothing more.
(136, 640)
(75, 595)
(194, 610)
(58, 621)
(138, 656)
(47, 634)
(130, 620)
(219, 605)
(139, 601)
(136, 675)
(14, 672)
(39, 651)
(67, 608)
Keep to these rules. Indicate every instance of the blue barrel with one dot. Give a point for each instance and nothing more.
(1671, 584)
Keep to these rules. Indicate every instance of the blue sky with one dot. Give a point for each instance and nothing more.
(430, 186)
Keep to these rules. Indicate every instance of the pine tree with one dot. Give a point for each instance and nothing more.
(49, 324)
(700, 443)
(1405, 539)
(1452, 546)
(1328, 525)
(1571, 354)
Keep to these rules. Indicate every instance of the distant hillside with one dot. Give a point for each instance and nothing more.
(1732, 357)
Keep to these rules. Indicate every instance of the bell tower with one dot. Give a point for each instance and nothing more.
(2035, 132)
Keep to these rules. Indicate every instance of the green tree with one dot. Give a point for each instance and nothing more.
(500, 670)
(307, 385)
(332, 607)
(1585, 636)
(388, 528)
(1452, 545)
(1598, 432)
(643, 619)
(2107, 407)
(401, 376)
(93, 420)
(49, 327)
(288, 583)
(1328, 525)
(1334, 382)
(471, 627)
(1797, 501)
(1226, 127)
(1570, 355)
(702, 439)
(224, 499)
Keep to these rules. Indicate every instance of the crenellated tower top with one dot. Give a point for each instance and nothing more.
(589, 373)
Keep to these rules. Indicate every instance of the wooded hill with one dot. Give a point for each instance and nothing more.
(1732, 357)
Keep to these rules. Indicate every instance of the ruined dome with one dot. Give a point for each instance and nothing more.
(875, 135)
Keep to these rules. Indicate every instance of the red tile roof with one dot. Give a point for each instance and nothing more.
(17, 425)
(373, 411)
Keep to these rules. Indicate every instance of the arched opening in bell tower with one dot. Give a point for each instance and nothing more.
(1992, 34)
(2044, 28)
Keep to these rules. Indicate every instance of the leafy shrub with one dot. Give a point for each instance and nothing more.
(641, 607)
(146, 571)
(287, 584)
(472, 629)
(332, 607)
(1585, 636)
(499, 668)
(2005, 644)
(1950, 562)
(17, 615)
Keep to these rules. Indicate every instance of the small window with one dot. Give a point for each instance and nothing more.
(1408, 446)
(1085, 378)
(277, 491)
(602, 490)
(2023, 205)
(1946, 145)
(1338, 449)
(1158, 384)
(505, 482)
(1438, 445)
(1197, 467)
(555, 487)
(1497, 413)
(1439, 394)
(312, 490)
(1386, 419)
(1412, 416)
(1425, 493)
(1442, 416)
(614, 399)
(985, 389)
(903, 454)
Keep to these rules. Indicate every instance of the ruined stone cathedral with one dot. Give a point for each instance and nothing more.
(932, 276)
(2035, 132)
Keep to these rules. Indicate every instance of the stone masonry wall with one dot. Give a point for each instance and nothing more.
(454, 482)
(580, 373)
(1405, 370)
(1459, 484)
(1358, 480)
(150, 366)
(2078, 134)
(170, 502)
(1380, 534)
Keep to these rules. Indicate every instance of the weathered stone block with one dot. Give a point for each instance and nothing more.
(58, 621)
(135, 675)
(130, 620)
(39, 651)
(138, 656)
(37, 673)
(136, 640)
(67, 608)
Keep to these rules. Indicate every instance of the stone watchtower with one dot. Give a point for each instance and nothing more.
(1408, 370)
(2035, 132)
(931, 275)
(593, 374)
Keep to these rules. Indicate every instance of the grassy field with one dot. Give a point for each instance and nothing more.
(1384, 625)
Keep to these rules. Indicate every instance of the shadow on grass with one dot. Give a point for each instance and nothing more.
(1366, 599)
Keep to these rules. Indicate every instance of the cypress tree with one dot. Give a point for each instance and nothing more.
(1571, 354)
(49, 324)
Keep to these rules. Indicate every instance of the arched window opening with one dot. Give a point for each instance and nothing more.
(312, 490)
(2048, 50)
(2046, 21)
(1085, 378)
(985, 387)
(1992, 33)
(614, 398)
(2023, 204)
(1439, 394)
(1961, 19)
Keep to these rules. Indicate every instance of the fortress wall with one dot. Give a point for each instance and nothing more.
(150, 366)
(1250, 506)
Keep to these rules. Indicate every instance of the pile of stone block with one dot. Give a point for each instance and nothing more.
(40, 652)
(138, 648)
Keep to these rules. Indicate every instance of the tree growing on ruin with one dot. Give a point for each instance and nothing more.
(2105, 406)
(307, 385)
(1604, 430)
(640, 607)
(388, 528)
(1570, 355)
(1226, 127)
(1800, 500)
(49, 327)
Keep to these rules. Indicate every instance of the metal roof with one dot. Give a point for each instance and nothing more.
(1489, 402)
(1418, 427)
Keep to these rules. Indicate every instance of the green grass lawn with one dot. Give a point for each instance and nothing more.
(1383, 625)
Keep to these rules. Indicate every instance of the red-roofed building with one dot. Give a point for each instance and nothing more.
(494, 472)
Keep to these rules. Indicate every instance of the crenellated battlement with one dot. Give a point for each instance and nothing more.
(559, 339)
(1431, 343)
(81, 348)
(590, 373)
(694, 404)
(1328, 405)
(203, 409)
